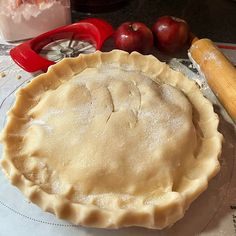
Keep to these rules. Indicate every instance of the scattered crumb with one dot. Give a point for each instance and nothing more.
(18, 77)
(2, 74)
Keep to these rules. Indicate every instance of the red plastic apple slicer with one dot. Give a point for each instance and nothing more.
(39, 53)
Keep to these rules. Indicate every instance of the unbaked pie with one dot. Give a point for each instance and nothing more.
(112, 140)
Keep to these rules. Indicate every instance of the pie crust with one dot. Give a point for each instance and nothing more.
(112, 140)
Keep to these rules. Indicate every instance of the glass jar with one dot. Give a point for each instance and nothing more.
(24, 19)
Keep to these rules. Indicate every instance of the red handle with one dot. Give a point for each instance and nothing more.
(93, 30)
(28, 59)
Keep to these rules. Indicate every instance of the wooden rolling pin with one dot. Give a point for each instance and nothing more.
(218, 71)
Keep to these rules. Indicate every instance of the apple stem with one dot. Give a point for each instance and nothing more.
(133, 27)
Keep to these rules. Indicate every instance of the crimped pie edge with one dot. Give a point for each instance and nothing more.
(90, 215)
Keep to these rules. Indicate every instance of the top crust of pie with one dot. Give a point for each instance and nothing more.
(112, 140)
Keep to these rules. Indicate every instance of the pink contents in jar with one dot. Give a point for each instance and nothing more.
(23, 19)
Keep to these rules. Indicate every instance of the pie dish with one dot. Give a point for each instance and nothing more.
(112, 140)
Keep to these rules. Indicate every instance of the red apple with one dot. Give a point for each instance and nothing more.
(133, 36)
(171, 33)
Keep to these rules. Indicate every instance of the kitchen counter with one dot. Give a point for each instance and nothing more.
(212, 214)
(207, 18)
